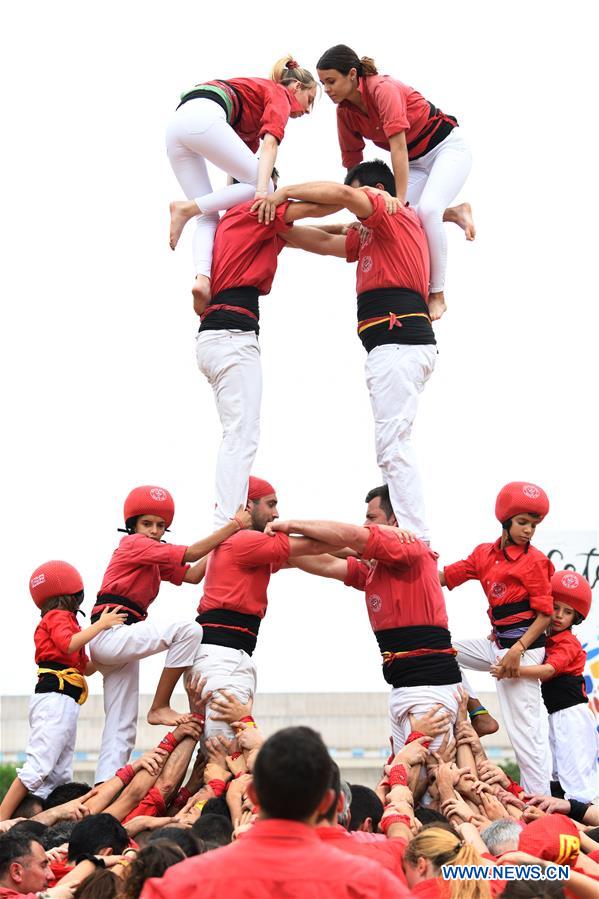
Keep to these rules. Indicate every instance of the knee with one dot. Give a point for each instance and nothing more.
(430, 214)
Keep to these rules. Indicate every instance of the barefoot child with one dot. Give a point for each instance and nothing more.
(430, 160)
(132, 581)
(572, 725)
(223, 122)
(516, 579)
(57, 590)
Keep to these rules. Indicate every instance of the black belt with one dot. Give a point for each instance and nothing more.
(498, 613)
(563, 692)
(235, 630)
(432, 668)
(201, 93)
(49, 683)
(135, 613)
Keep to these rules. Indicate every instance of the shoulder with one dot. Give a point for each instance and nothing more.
(58, 616)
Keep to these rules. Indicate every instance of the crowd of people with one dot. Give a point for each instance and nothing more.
(218, 808)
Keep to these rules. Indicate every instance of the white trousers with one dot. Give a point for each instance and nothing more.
(49, 754)
(116, 653)
(574, 746)
(198, 131)
(231, 669)
(522, 710)
(395, 375)
(406, 701)
(230, 360)
(433, 183)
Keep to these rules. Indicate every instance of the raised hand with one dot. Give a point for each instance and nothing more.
(111, 617)
(229, 707)
(433, 722)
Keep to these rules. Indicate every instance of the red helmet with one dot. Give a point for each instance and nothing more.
(573, 589)
(54, 579)
(150, 501)
(519, 497)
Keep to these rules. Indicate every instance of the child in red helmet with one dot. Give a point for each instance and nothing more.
(132, 581)
(57, 590)
(516, 579)
(572, 726)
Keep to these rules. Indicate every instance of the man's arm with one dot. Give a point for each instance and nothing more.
(324, 565)
(334, 533)
(297, 211)
(327, 193)
(305, 546)
(315, 240)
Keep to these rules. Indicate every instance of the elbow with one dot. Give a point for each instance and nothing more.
(269, 141)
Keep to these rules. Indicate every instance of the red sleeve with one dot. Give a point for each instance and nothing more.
(536, 581)
(251, 548)
(460, 572)
(275, 114)
(60, 627)
(174, 574)
(357, 572)
(350, 142)
(143, 550)
(279, 225)
(387, 547)
(564, 654)
(385, 225)
(152, 804)
(352, 245)
(389, 100)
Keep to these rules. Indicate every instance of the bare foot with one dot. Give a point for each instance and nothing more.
(168, 716)
(436, 305)
(462, 215)
(484, 724)
(201, 294)
(181, 212)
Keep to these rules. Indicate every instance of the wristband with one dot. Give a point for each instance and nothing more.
(578, 809)
(237, 521)
(249, 721)
(235, 755)
(389, 820)
(126, 774)
(415, 735)
(398, 776)
(182, 797)
(218, 787)
(199, 718)
(199, 805)
(88, 857)
(514, 788)
(479, 710)
(168, 743)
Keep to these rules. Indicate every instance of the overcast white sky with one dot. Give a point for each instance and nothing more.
(101, 389)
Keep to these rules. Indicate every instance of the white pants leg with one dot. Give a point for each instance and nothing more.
(231, 669)
(49, 754)
(434, 181)
(406, 701)
(198, 131)
(574, 744)
(395, 376)
(230, 360)
(116, 653)
(522, 710)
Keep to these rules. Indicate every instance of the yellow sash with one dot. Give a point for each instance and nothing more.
(71, 676)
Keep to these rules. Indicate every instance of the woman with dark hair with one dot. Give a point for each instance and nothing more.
(430, 160)
(152, 861)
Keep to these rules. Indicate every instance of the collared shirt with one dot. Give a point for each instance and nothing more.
(239, 570)
(246, 251)
(265, 109)
(274, 859)
(564, 652)
(391, 107)
(52, 637)
(137, 567)
(507, 576)
(402, 586)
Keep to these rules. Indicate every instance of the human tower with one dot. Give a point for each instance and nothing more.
(397, 241)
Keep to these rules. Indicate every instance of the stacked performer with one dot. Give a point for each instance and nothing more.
(223, 122)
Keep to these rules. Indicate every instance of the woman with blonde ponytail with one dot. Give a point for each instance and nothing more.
(430, 160)
(224, 122)
(425, 857)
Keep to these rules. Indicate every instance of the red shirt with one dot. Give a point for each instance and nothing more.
(433, 888)
(402, 587)
(246, 251)
(391, 107)
(382, 853)
(564, 653)
(9, 893)
(152, 804)
(507, 576)
(137, 567)
(275, 859)
(52, 637)
(239, 570)
(392, 252)
(265, 109)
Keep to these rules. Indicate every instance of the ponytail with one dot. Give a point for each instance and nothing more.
(343, 59)
(442, 847)
(286, 70)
